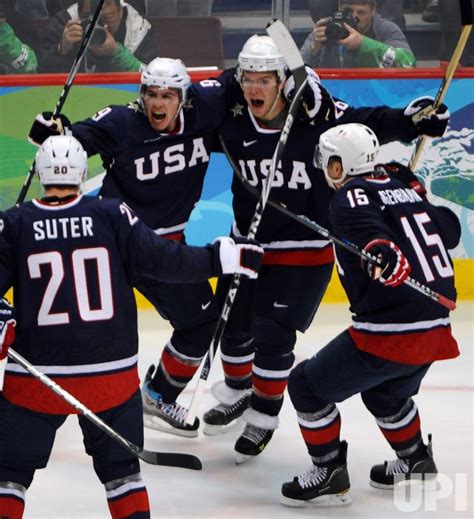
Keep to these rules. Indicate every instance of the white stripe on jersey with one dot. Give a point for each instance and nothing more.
(168, 230)
(401, 327)
(81, 369)
(288, 244)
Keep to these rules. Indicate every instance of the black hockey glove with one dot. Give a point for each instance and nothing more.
(404, 174)
(427, 121)
(239, 256)
(45, 126)
(317, 104)
(394, 267)
(7, 327)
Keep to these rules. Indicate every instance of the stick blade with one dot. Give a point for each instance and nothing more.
(170, 459)
(284, 41)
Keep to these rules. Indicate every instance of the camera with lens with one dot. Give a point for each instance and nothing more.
(335, 29)
(99, 34)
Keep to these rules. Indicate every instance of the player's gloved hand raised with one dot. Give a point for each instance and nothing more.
(7, 327)
(393, 267)
(427, 120)
(317, 103)
(239, 256)
(403, 173)
(45, 126)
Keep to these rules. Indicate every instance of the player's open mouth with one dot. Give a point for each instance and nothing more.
(257, 103)
(158, 116)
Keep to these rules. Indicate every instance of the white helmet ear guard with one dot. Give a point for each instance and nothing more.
(166, 73)
(62, 161)
(355, 145)
(261, 54)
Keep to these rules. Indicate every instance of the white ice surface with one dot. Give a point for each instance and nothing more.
(68, 487)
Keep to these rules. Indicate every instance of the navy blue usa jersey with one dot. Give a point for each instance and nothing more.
(398, 324)
(298, 183)
(70, 266)
(159, 175)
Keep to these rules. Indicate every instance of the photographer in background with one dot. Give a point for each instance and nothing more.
(17, 40)
(357, 36)
(122, 40)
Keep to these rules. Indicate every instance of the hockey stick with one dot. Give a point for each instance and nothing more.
(65, 91)
(346, 244)
(466, 23)
(282, 37)
(168, 459)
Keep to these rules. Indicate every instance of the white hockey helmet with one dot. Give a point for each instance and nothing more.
(354, 144)
(166, 73)
(261, 54)
(62, 161)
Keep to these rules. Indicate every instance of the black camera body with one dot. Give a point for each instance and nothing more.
(99, 34)
(335, 29)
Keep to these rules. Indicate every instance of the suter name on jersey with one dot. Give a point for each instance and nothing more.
(54, 228)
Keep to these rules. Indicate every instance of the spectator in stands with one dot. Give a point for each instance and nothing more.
(17, 41)
(124, 42)
(364, 39)
(390, 9)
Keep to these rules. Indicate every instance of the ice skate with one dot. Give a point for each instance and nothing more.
(419, 467)
(251, 442)
(320, 486)
(226, 415)
(169, 418)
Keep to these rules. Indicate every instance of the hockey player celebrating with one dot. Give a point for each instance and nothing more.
(396, 332)
(71, 261)
(156, 152)
(257, 346)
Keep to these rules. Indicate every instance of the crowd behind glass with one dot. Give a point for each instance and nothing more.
(44, 35)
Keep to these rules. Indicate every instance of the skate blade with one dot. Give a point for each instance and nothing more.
(332, 500)
(152, 422)
(428, 484)
(242, 458)
(215, 430)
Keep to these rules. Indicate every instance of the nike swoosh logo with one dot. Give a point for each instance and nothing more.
(278, 305)
(249, 143)
(205, 306)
